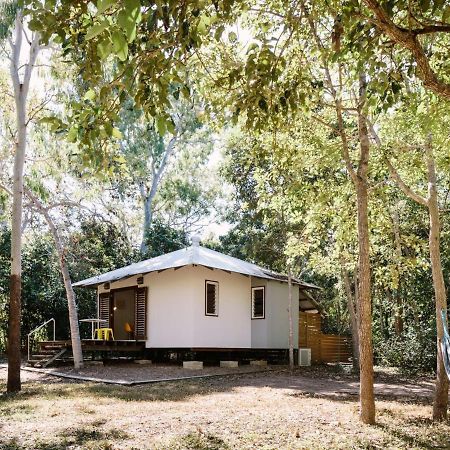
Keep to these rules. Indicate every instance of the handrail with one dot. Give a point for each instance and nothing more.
(36, 330)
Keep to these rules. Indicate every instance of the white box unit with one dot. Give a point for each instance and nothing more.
(304, 356)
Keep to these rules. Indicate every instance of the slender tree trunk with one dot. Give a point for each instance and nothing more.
(20, 97)
(148, 214)
(431, 202)
(351, 306)
(148, 196)
(398, 254)
(71, 302)
(367, 398)
(441, 386)
(291, 325)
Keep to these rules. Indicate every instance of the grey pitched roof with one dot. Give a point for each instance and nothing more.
(193, 255)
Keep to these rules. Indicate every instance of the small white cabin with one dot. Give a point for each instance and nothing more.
(197, 298)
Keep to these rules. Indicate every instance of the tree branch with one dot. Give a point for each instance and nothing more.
(408, 40)
(403, 186)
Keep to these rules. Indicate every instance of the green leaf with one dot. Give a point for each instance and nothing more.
(161, 125)
(90, 95)
(72, 134)
(120, 45)
(103, 5)
(232, 36)
(96, 29)
(170, 127)
(129, 17)
(203, 24)
(116, 133)
(104, 48)
(446, 14)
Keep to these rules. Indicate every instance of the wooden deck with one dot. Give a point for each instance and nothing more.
(114, 346)
(99, 345)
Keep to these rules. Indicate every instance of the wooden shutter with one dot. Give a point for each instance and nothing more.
(104, 301)
(211, 298)
(140, 316)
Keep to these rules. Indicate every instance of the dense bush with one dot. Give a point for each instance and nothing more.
(413, 352)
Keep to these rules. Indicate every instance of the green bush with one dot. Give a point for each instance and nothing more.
(413, 352)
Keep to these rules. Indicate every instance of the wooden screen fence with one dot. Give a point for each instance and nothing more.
(325, 348)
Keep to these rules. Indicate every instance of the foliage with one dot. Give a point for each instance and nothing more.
(414, 352)
(125, 48)
(96, 248)
(161, 239)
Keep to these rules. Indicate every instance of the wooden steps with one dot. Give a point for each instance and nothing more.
(49, 352)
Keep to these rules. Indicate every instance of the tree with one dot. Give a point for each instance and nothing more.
(148, 153)
(277, 85)
(415, 26)
(21, 85)
(431, 202)
(134, 50)
(70, 294)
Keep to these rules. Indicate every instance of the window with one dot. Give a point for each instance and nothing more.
(258, 302)
(211, 298)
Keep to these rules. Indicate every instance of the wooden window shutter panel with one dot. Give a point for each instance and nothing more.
(140, 317)
(104, 300)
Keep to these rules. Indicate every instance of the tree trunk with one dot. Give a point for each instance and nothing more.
(71, 302)
(14, 345)
(148, 196)
(351, 306)
(291, 325)
(441, 386)
(398, 254)
(367, 400)
(148, 213)
(20, 97)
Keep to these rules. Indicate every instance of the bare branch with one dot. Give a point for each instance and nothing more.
(403, 186)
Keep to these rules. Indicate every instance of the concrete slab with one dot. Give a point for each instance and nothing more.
(193, 365)
(93, 363)
(259, 362)
(229, 363)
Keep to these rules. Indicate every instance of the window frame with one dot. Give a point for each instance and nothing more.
(214, 283)
(257, 288)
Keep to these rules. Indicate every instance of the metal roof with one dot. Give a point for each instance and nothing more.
(193, 255)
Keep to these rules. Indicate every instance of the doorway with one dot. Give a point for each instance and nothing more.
(123, 313)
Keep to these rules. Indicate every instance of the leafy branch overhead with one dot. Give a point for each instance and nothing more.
(125, 48)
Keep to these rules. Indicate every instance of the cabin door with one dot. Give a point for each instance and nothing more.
(123, 313)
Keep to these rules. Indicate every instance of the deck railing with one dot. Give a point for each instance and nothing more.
(36, 330)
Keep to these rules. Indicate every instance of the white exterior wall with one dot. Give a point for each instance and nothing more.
(273, 331)
(232, 327)
(260, 328)
(176, 310)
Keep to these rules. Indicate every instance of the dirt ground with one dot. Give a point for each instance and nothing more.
(131, 372)
(310, 409)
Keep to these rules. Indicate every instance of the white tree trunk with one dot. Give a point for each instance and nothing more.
(71, 302)
(148, 196)
(21, 89)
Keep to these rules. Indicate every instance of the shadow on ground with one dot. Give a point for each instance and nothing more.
(326, 385)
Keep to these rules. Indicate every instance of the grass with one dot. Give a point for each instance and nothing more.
(265, 411)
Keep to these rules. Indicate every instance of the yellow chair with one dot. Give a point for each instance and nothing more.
(105, 334)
